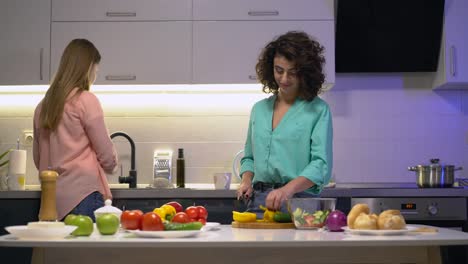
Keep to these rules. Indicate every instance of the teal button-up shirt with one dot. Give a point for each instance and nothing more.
(300, 145)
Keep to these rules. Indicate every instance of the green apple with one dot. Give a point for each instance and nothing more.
(107, 224)
(85, 225)
(69, 219)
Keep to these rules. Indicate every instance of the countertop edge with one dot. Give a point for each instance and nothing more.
(242, 238)
(210, 193)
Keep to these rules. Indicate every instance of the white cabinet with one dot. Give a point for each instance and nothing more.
(228, 35)
(24, 42)
(112, 10)
(156, 41)
(227, 51)
(262, 10)
(132, 52)
(452, 72)
(141, 41)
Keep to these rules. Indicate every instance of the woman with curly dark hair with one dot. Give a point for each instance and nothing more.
(288, 150)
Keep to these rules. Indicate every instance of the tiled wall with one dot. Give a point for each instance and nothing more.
(383, 123)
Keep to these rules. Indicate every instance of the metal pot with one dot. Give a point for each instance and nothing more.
(435, 175)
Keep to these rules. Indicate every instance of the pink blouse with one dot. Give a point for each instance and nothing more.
(80, 150)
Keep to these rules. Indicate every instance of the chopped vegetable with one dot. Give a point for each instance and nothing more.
(305, 219)
(244, 217)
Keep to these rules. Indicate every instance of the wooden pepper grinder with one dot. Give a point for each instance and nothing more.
(48, 210)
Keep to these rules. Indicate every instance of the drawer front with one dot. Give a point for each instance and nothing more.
(263, 10)
(121, 10)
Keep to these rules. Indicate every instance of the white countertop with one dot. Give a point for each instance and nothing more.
(226, 236)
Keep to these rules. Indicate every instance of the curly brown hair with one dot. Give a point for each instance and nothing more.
(307, 55)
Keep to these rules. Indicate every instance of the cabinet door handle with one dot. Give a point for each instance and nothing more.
(121, 14)
(453, 69)
(120, 77)
(263, 13)
(253, 77)
(41, 60)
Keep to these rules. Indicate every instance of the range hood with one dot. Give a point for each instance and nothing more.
(388, 35)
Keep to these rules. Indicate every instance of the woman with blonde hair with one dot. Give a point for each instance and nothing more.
(70, 135)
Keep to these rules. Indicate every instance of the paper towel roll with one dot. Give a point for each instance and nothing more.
(17, 162)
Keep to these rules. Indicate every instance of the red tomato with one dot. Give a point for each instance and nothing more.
(202, 220)
(178, 207)
(131, 220)
(180, 217)
(192, 212)
(151, 222)
(202, 212)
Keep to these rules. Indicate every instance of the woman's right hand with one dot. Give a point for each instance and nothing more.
(245, 188)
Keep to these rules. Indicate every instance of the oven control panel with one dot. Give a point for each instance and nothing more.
(412, 208)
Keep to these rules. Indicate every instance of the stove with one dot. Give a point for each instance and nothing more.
(421, 209)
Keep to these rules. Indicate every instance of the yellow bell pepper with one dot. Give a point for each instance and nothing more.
(170, 211)
(161, 212)
(268, 215)
(244, 217)
(166, 212)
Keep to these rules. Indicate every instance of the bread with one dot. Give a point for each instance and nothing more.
(365, 222)
(355, 212)
(391, 220)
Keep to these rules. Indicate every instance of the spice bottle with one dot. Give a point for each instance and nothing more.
(180, 169)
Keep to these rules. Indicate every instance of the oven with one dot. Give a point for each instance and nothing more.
(448, 212)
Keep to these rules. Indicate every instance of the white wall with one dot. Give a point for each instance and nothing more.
(383, 123)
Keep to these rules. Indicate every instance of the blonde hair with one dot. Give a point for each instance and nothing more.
(74, 71)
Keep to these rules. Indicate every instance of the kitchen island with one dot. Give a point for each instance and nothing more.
(233, 245)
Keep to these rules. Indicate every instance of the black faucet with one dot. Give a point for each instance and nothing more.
(132, 178)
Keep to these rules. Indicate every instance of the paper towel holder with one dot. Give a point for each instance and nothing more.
(16, 178)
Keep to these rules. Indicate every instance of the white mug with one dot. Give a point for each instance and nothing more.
(222, 180)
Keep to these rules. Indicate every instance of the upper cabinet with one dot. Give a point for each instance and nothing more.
(228, 36)
(227, 51)
(452, 72)
(118, 10)
(263, 10)
(25, 42)
(141, 42)
(136, 53)
(156, 41)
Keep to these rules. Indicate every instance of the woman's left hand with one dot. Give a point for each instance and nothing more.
(276, 198)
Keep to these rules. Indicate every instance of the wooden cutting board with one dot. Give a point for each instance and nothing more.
(263, 225)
